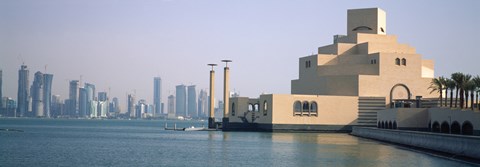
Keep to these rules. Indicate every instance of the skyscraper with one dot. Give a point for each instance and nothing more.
(37, 95)
(22, 94)
(202, 104)
(171, 107)
(47, 94)
(56, 106)
(192, 102)
(181, 101)
(131, 106)
(72, 108)
(83, 103)
(90, 88)
(157, 96)
(102, 109)
(141, 109)
(114, 106)
(93, 108)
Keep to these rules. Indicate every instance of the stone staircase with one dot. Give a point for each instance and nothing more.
(367, 110)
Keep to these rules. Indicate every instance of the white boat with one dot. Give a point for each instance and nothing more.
(193, 128)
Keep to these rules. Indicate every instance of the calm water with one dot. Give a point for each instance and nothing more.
(56, 142)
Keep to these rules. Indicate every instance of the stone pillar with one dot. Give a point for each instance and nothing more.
(211, 118)
(226, 95)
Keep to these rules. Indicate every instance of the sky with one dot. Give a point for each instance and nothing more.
(121, 45)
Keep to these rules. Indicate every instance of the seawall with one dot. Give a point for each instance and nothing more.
(460, 145)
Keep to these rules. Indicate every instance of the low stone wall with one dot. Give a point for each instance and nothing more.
(460, 145)
(287, 127)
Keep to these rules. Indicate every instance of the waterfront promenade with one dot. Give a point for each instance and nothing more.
(457, 145)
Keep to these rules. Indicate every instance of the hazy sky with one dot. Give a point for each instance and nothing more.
(122, 45)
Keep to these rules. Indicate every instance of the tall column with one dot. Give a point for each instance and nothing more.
(211, 118)
(226, 95)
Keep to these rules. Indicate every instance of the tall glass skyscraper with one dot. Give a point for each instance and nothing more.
(157, 96)
(47, 94)
(171, 107)
(37, 95)
(203, 104)
(181, 101)
(131, 106)
(72, 108)
(90, 88)
(22, 94)
(114, 106)
(83, 104)
(192, 102)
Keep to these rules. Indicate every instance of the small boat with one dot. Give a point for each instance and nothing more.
(193, 128)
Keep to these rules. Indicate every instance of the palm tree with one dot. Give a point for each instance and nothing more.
(469, 87)
(466, 85)
(478, 94)
(443, 80)
(476, 80)
(450, 85)
(457, 78)
(437, 86)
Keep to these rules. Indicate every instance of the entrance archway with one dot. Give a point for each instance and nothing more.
(445, 127)
(435, 127)
(455, 127)
(467, 128)
(400, 94)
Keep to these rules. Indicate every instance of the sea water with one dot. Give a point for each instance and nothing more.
(82, 142)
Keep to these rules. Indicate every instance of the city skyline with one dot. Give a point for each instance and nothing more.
(155, 39)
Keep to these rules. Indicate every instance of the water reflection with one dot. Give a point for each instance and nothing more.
(146, 143)
(318, 149)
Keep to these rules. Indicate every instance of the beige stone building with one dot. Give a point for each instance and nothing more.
(344, 85)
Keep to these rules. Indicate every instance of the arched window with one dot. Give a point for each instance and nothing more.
(390, 125)
(467, 128)
(250, 107)
(379, 124)
(361, 28)
(256, 107)
(233, 109)
(265, 108)
(445, 127)
(383, 125)
(394, 125)
(404, 61)
(455, 128)
(305, 108)
(397, 61)
(297, 108)
(313, 108)
(435, 127)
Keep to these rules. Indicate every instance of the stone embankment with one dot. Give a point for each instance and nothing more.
(459, 145)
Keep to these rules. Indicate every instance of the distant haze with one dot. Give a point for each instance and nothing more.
(123, 45)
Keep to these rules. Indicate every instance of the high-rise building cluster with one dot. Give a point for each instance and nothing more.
(32, 100)
(37, 100)
(84, 101)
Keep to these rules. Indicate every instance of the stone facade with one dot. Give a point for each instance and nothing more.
(345, 84)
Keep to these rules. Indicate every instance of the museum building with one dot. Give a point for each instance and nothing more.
(345, 84)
